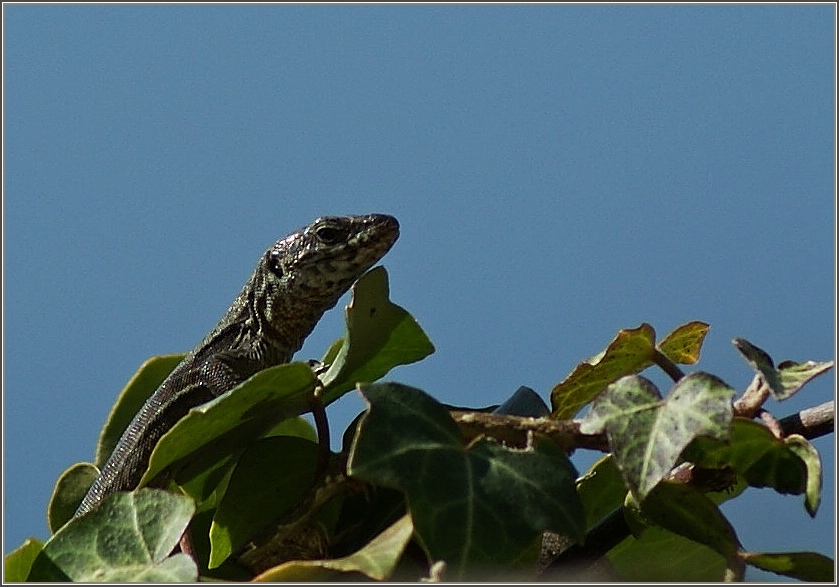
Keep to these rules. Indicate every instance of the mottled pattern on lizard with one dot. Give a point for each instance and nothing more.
(295, 282)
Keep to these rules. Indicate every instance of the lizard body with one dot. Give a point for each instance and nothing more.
(296, 280)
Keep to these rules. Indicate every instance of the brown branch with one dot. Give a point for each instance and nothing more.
(753, 398)
(513, 430)
(810, 423)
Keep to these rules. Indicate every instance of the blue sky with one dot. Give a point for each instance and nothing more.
(560, 172)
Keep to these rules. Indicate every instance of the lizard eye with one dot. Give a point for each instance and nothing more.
(274, 264)
(331, 235)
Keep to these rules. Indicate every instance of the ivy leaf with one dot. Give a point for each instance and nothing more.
(205, 482)
(228, 423)
(793, 376)
(135, 393)
(684, 343)
(380, 336)
(788, 377)
(376, 560)
(805, 566)
(68, 493)
(19, 561)
(270, 478)
(658, 555)
(127, 538)
(755, 454)
(808, 454)
(483, 504)
(683, 510)
(630, 352)
(647, 434)
(601, 490)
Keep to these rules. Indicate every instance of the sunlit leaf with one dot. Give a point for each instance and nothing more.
(805, 566)
(647, 434)
(793, 376)
(376, 560)
(788, 377)
(226, 424)
(630, 352)
(19, 562)
(808, 454)
(380, 336)
(68, 493)
(135, 393)
(127, 538)
(684, 343)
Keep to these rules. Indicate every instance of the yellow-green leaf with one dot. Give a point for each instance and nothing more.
(805, 566)
(684, 343)
(19, 561)
(630, 352)
(376, 560)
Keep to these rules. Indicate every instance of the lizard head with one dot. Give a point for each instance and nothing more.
(327, 256)
(304, 274)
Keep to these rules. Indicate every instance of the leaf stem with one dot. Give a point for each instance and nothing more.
(322, 427)
(667, 365)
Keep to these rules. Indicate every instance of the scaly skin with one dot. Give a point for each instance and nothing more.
(296, 281)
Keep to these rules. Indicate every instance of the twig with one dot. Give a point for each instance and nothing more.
(810, 423)
(513, 430)
(753, 398)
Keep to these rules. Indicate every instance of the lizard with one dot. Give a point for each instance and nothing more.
(295, 281)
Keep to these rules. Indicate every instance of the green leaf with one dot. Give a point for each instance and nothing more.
(647, 434)
(687, 512)
(19, 561)
(333, 350)
(788, 377)
(376, 560)
(270, 479)
(754, 453)
(205, 481)
(225, 425)
(127, 538)
(380, 336)
(760, 362)
(299, 427)
(68, 493)
(135, 393)
(793, 376)
(630, 352)
(808, 454)
(479, 505)
(601, 490)
(658, 555)
(684, 343)
(805, 566)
